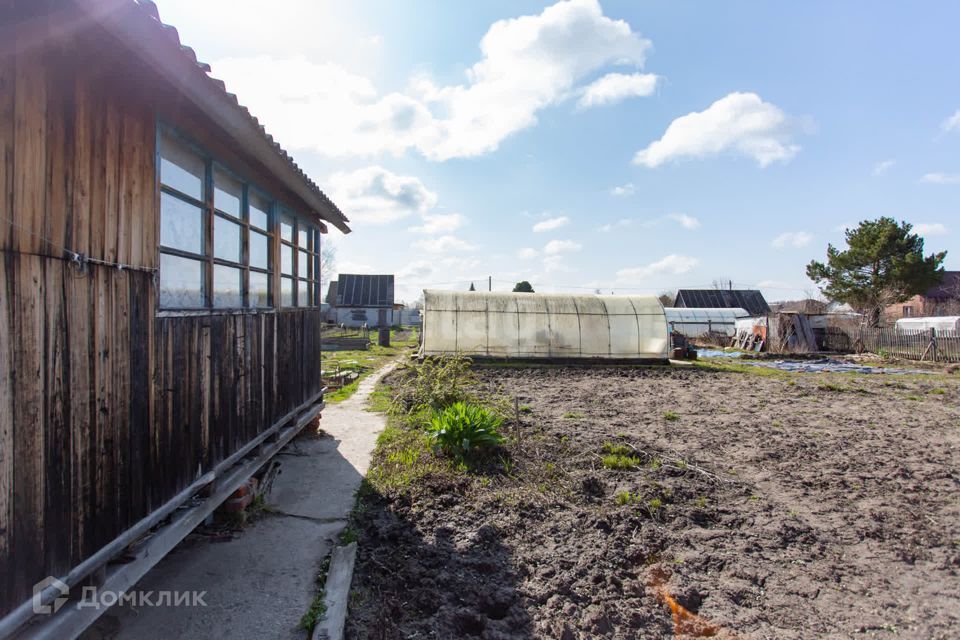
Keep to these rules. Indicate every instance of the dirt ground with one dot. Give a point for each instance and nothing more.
(767, 505)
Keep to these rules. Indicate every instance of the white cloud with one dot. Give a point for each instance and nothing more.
(741, 123)
(795, 239)
(622, 222)
(672, 264)
(555, 247)
(439, 223)
(554, 264)
(882, 167)
(930, 229)
(375, 195)
(416, 270)
(550, 224)
(615, 87)
(527, 253)
(687, 222)
(941, 178)
(443, 244)
(623, 190)
(952, 123)
(527, 64)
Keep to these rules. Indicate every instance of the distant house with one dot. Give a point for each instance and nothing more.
(749, 299)
(941, 300)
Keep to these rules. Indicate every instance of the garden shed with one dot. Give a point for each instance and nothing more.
(159, 318)
(544, 326)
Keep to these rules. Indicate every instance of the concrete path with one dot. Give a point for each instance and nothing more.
(259, 584)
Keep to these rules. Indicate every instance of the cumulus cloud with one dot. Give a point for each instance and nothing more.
(555, 247)
(622, 222)
(623, 190)
(930, 229)
(527, 64)
(795, 239)
(615, 87)
(738, 123)
(550, 224)
(527, 253)
(672, 264)
(882, 167)
(439, 223)
(374, 195)
(443, 244)
(941, 178)
(952, 123)
(687, 222)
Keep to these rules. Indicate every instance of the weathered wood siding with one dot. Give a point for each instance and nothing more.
(106, 409)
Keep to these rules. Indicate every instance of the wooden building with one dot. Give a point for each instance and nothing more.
(159, 310)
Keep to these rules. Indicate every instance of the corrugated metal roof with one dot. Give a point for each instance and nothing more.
(147, 11)
(361, 290)
(749, 299)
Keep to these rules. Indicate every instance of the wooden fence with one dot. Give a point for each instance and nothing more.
(931, 345)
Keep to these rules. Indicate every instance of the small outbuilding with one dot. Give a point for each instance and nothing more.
(697, 323)
(544, 326)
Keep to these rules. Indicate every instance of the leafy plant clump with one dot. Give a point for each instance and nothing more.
(463, 428)
(436, 383)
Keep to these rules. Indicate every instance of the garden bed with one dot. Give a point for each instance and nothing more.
(773, 505)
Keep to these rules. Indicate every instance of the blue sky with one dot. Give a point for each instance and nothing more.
(627, 146)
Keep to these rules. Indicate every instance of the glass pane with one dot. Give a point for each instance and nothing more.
(286, 259)
(181, 282)
(303, 298)
(181, 224)
(259, 289)
(227, 193)
(286, 292)
(226, 286)
(259, 206)
(181, 168)
(259, 250)
(302, 264)
(302, 233)
(286, 228)
(226, 240)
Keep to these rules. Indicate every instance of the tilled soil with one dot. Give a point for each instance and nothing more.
(772, 506)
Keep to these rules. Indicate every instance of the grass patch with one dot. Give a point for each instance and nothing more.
(670, 416)
(627, 498)
(317, 610)
(573, 415)
(831, 386)
(525, 408)
(620, 462)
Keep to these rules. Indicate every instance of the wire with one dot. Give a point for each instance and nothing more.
(80, 260)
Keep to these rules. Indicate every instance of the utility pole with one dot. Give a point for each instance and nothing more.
(489, 283)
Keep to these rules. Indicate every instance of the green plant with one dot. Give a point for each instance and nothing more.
(318, 607)
(618, 449)
(573, 415)
(462, 428)
(620, 462)
(625, 498)
(525, 408)
(436, 383)
(670, 415)
(830, 386)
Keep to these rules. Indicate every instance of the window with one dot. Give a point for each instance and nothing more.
(216, 236)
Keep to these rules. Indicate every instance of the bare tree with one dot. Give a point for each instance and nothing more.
(667, 298)
(328, 263)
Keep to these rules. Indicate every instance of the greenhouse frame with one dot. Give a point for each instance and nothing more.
(544, 326)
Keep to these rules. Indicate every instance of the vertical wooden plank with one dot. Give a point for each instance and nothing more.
(78, 238)
(29, 192)
(80, 338)
(28, 439)
(7, 90)
(120, 282)
(7, 392)
(112, 224)
(106, 479)
(206, 355)
(58, 530)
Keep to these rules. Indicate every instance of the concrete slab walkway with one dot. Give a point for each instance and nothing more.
(259, 584)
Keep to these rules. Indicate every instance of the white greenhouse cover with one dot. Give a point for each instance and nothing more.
(696, 322)
(534, 325)
(940, 323)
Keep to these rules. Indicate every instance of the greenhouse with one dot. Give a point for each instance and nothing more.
(544, 326)
(940, 323)
(695, 323)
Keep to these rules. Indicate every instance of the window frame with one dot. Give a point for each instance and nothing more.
(210, 213)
